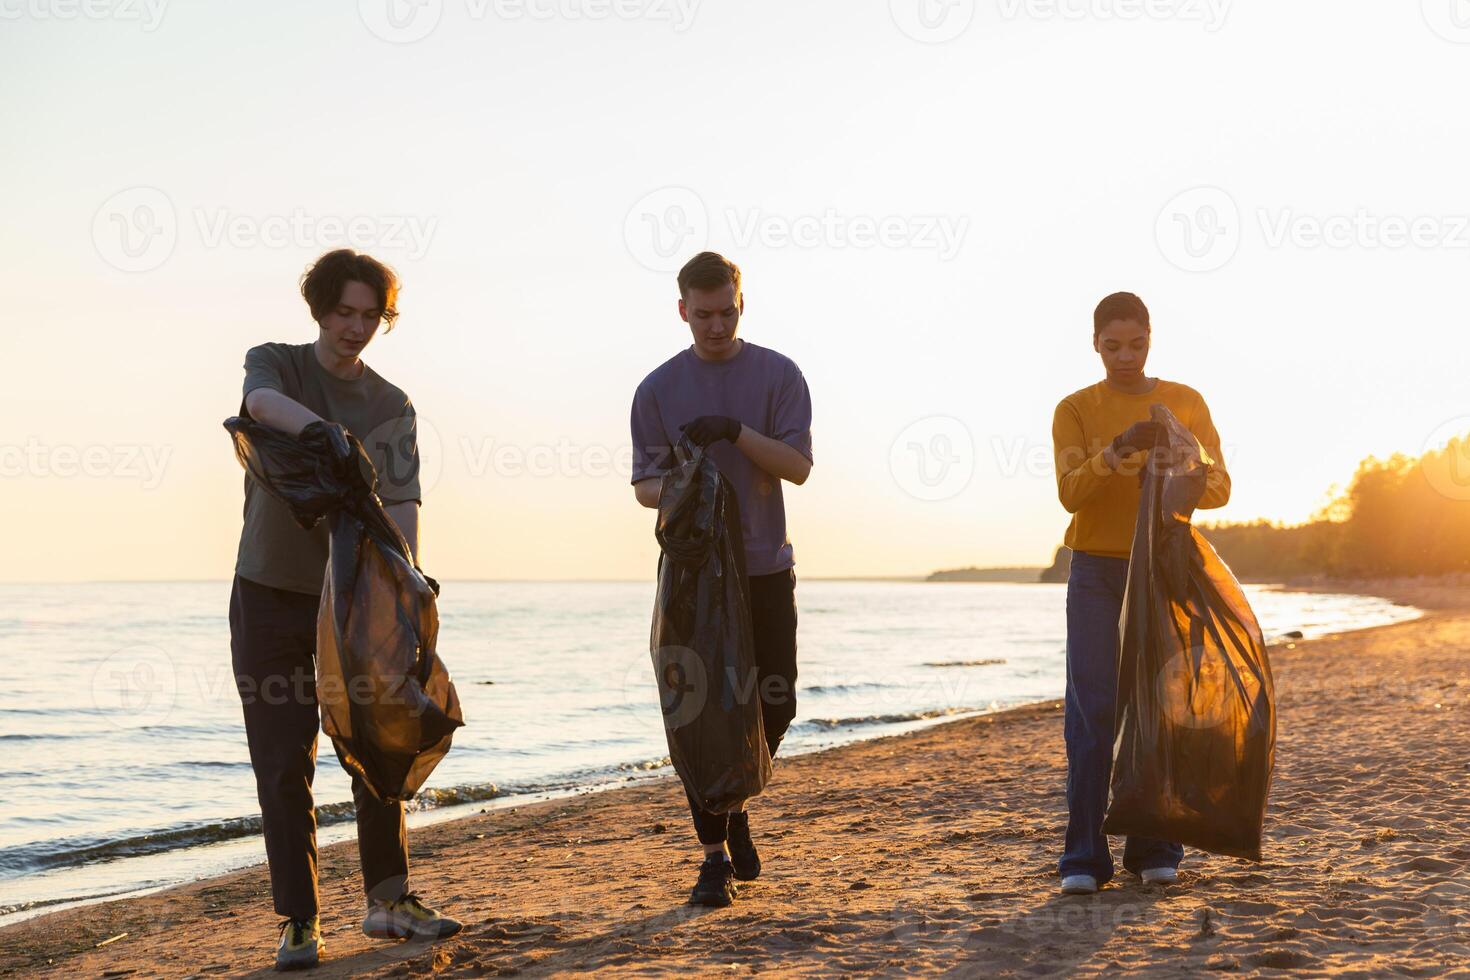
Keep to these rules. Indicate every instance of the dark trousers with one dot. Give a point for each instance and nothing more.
(773, 625)
(1094, 605)
(273, 650)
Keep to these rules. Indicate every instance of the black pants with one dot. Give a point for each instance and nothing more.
(773, 622)
(273, 650)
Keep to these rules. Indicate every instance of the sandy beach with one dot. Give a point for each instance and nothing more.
(928, 853)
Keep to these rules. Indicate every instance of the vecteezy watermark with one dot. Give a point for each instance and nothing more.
(411, 234)
(400, 21)
(1199, 230)
(667, 226)
(136, 687)
(128, 461)
(147, 13)
(664, 228)
(563, 458)
(933, 459)
(409, 454)
(407, 21)
(1450, 19)
(932, 21)
(1209, 13)
(1363, 230)
(1445, 460)
(942, 234)
(137, 230)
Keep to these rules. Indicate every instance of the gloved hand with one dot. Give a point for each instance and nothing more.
(349, 462)
(709, 429)
(1139, 437)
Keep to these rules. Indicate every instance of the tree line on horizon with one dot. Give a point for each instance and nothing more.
(1398, 516)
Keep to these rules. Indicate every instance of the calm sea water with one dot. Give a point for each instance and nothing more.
(125, 766)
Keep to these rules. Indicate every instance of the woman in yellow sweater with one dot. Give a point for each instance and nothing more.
(1101, 436)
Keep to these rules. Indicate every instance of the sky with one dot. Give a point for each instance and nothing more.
(927, 197)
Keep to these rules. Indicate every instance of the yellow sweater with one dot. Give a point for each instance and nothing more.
(1104, 503)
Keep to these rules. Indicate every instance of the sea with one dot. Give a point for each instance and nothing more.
(125, 768)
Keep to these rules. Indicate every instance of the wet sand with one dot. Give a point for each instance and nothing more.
(928, 853)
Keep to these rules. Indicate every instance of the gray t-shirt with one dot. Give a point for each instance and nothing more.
(761, 388)
(274, 550)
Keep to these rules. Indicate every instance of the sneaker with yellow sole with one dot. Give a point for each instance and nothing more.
(407, 918)
(301, 944)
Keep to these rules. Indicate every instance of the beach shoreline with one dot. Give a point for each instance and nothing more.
(911, 864)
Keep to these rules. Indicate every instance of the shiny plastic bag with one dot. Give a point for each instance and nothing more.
(702, 643)
(386, 699)
(1196, 702)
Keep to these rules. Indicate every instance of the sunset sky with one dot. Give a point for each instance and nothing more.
(925, 231)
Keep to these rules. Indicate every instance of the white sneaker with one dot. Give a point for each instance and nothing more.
(1079, 885)
(1160, 876)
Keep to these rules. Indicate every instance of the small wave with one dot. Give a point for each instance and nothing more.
(454, 795)
(829, 724)
(69, 851)
(41, 903)
(14, 737)
(967, 663)
(647, 765)
(842, 688)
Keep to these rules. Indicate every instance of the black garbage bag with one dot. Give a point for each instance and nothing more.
(702, 645)
(386, 699)
(1196, 702)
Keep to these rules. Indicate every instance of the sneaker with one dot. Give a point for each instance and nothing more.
(716, 887)
(301, 944)
(407, 918)
(743, 856)
(1160, 876)
(1079, 885)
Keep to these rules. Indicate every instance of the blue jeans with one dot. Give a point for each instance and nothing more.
(1094, 605)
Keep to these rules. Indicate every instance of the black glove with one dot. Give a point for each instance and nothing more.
(349, 462)
(1140, 437)
(709, 429)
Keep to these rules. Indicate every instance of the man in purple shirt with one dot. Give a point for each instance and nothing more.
(750, 408)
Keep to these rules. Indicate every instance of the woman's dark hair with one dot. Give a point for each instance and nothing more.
(1120, 306)
(323, 283)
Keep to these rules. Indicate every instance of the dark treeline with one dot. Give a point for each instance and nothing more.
(1399, 516)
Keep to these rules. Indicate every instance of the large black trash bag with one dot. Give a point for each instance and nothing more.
(1196, 702)
(702, 647)
(386, 699)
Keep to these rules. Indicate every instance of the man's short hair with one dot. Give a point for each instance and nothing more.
(1120, 306)
(323, 283)
(708, 270)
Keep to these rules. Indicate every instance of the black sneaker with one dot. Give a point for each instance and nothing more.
(715, 888)
(743, 855)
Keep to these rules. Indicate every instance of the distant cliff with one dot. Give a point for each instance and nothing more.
(1027, 575)
(1060, 568)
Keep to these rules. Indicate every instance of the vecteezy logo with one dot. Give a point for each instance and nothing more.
(1450, 19)
(1194, 688)
(666, 227)
(1199, 231)
(933, 459)
(400, 21)
(135, 230)
(932, 21)
(135, 687)
(410, 452)
(1445, 461)
(683, 686)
